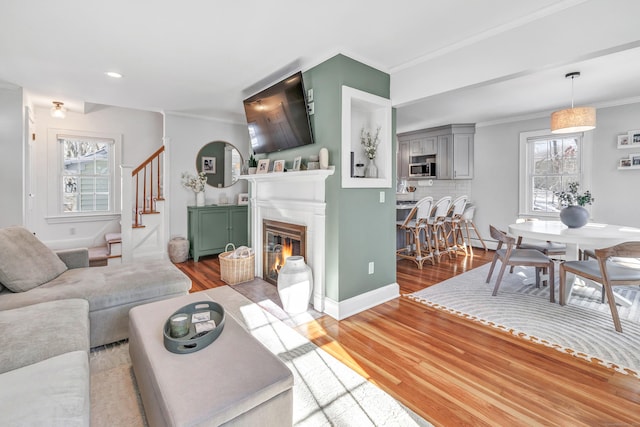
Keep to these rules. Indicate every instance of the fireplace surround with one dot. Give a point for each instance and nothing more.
(296, 198)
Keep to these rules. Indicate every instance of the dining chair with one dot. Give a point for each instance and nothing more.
(415, 224)
(508, 254)
(613, 266)
(437, 231)
(453, 227)
(549, 248)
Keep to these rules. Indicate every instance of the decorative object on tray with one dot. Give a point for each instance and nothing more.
(237, 265)
(295, 285)
(370, 144)
(574, 215)
(195, 183)
(193, 327)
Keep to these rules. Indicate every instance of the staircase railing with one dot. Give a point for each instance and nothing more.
(148, 186)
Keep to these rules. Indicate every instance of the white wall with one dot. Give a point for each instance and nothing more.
(185, 136)
(495, 184)
(141, 133)
(11, 158)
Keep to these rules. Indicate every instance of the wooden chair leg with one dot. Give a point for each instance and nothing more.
(493, 265)
(613, 308)
(499, 279)
(563, 284)
(551, 282)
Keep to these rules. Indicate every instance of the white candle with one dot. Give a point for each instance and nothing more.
(179, 325)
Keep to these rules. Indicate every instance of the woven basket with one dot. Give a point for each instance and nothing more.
(236, 270)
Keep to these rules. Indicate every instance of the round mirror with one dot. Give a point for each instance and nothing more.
(221, 162)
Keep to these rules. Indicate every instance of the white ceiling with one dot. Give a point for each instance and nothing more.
(454, 61)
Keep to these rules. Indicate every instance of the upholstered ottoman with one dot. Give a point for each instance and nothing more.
(233, 381)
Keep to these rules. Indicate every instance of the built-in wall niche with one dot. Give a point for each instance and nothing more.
(363, 110)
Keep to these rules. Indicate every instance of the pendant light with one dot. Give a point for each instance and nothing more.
(58, 111)
(574, 119)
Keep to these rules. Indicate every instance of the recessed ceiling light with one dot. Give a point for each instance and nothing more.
(114, 74)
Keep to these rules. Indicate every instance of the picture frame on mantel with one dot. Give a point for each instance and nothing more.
(623, 141)
(263, 166)
(634, 138)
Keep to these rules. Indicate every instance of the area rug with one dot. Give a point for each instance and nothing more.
(582, 328)
(326, 392)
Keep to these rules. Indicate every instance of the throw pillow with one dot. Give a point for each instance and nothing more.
(25, 262)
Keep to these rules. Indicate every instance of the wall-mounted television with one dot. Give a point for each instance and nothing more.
(277, 117)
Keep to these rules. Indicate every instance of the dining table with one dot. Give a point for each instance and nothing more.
(590, 236)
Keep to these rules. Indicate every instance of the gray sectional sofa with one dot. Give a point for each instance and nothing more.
(53, 309)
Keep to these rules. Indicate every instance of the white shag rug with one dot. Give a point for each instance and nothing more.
(583, 327)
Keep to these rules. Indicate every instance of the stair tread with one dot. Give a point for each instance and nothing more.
(113, 237)
(98, 252)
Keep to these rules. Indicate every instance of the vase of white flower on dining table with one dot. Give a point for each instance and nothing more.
(574, 214)
(370, 143)
(196, 184)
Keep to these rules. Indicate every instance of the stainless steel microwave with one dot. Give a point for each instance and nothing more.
(422, 169)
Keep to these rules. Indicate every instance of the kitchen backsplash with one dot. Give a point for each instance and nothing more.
(440, 188)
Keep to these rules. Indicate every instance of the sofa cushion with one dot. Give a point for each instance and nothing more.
(25, 262)
(40, 331)
(53, 392)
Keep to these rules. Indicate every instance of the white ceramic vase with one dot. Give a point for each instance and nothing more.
(200, 198)
(295, 285)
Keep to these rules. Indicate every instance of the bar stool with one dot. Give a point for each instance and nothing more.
(415, 224)
(452, 223)
(437, 231)
(467, 219)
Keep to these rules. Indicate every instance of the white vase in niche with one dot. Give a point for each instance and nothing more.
(371, 171)
(324, 158)
(295, 285)
(200, 198)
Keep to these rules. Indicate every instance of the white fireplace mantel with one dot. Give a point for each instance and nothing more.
(297, 197)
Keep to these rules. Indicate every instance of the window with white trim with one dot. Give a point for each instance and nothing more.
(86, 174)
(548, 163)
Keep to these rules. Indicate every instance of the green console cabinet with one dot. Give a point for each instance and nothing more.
(212, 227)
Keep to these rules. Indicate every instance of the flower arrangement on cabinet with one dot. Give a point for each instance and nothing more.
(370, 142)
(195, 183)
(572, 197)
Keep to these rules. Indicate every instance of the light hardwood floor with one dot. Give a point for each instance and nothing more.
(455, 372)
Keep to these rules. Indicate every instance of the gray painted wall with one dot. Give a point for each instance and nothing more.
(12, 159)
(495, 185)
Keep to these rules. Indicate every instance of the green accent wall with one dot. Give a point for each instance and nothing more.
(359, 229)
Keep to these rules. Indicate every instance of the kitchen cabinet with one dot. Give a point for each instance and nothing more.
(452, 146)
(455, 159)
(210, 228)
(402, 159)
(423, 146)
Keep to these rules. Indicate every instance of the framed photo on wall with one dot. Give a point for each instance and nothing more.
(623, 141)
(263, 166)
(209, 165)
(625, 163)
(634, 138)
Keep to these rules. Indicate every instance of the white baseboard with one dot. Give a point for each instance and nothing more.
(343, 309)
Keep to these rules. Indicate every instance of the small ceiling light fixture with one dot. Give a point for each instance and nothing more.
(578, 119)
(113, 74)
(58, 111)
